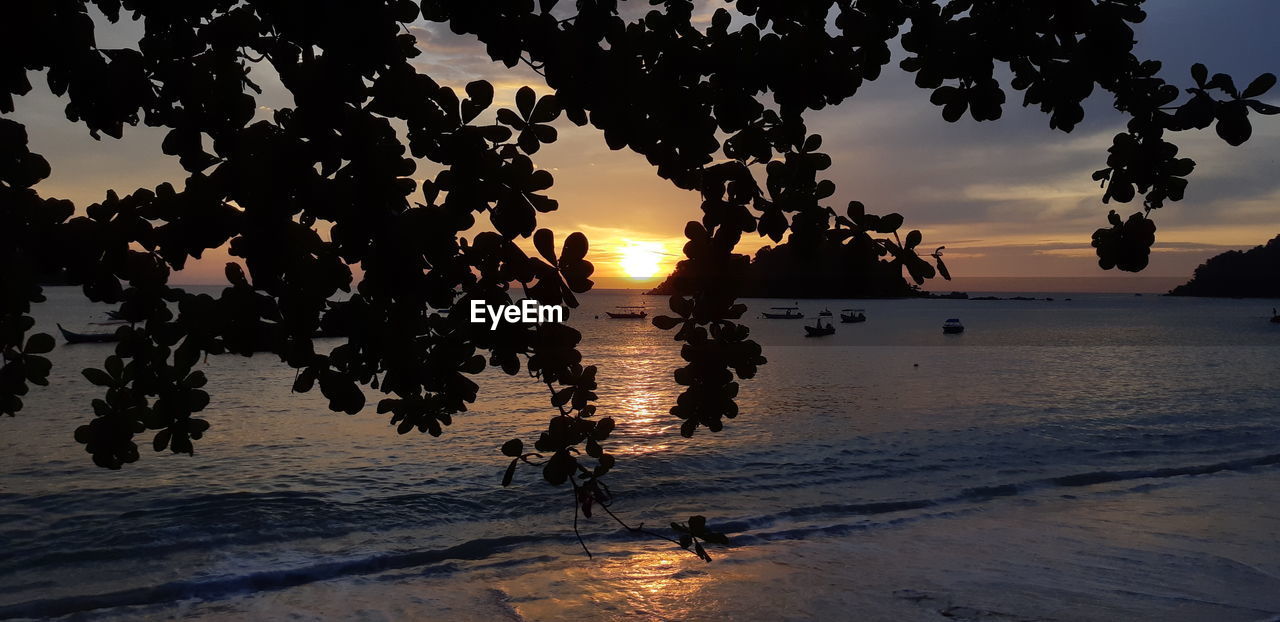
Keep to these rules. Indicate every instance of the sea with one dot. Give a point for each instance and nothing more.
(1090, 457)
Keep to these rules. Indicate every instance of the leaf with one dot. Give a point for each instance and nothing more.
(513, 448)
(1233, 125)
(547, 110)
(507, 117)
(666, 322)
(195, 380)
(511, 472)
(889, 223)
(235, 275)
(575, 248)
(1260, 85)
(559, 467)
(525, 99)
(697, 524)
(942, 268)
(1222, 82)
(161, 441)
(39, 343)
(955, 109)
(1262, 108)
(37, 368)
(603, 429)
(98, 377)
(1200, 73)
(913, 239)
(115, 366)
(562, 397)
(480, 92)
(688, 427)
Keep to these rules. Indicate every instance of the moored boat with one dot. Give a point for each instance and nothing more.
(787, 313)
(819, 330)
(852, 316)
(88, 337)
(952, 327)
(627, 313)
(824, 313)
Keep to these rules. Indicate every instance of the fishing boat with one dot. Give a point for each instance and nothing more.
(852, 316)
(627, 313)
(824, 313)
(88, 337)
(952, 327)
(819, 330)
(783, 313)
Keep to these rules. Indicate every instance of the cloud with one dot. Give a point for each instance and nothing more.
(1007, 197)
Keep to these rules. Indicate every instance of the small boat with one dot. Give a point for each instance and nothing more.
(852, 316)
(824, 313)
(88, 337)
(627, 313)
(1275, 317)
(819, 330)
(787, 313)
(952, 327)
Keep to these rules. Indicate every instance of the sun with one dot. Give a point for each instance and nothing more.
(640, 260)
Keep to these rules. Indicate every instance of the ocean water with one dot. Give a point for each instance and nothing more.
(1104, 457)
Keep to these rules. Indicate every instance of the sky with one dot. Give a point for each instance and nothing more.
(1009, 198)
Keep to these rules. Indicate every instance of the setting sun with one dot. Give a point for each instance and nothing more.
(640, 260)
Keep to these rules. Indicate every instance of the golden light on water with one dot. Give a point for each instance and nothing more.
(641, 260)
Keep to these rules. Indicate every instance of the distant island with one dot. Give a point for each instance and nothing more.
(831, 271)
(1254, 273)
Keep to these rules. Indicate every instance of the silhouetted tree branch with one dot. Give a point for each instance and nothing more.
(265, 186)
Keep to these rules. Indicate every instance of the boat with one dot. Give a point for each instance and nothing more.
(1275, 317)
(116, 314)
(787, 313)
(627, 313)
(852, 316)
(88, 337)
(824, 313)
(952, 327)
(819, 330)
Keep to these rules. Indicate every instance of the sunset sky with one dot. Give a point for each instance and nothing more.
(1007, 198)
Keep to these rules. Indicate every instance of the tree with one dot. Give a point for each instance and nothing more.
(718, 109)
(1254, 273)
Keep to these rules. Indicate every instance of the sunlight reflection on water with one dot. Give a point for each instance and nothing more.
(826, 429)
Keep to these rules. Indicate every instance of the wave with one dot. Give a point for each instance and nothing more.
(482, 548)
(267, 580)
(986, 493)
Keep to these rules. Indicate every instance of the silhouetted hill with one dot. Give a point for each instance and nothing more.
(831, 271)
(1254, 273)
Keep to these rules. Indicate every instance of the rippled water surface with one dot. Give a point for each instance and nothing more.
(1112, 427)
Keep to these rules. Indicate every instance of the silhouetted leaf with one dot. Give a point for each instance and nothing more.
(98, 377)
(39, 343)
(510, 472)
(1260, 85)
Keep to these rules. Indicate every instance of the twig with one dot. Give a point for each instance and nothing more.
(576, 497)
(639, 529)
